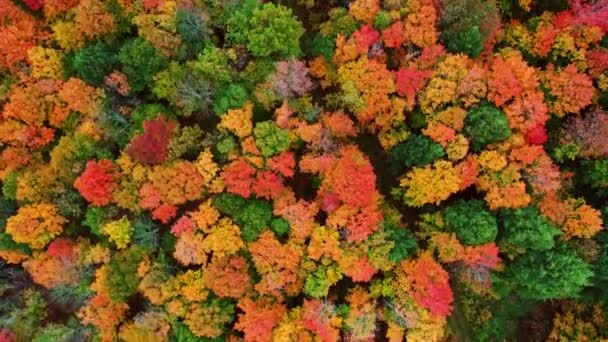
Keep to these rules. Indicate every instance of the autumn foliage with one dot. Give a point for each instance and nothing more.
(248, 170)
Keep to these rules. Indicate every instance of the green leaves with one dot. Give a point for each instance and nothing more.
(418, 150)
(485, 125)
(270, 139)
(472, 222)
(122, 278)
(93, 62)
(468, 41)
(527, 228)
(140, 62)
(266, 30)
(556, 273)
(253, 216)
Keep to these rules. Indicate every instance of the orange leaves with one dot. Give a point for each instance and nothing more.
(393, 35)
(428, 284)
(18, 33)
(364, 10)
(177, 183)
(582, 220)
(357, 267)
(267, 184)
(339, 125)
(283, 164)
(509, 78)
(277, 264)
(347, 193)
(205, 216)
(259, 317)
(527, 112)
(189, 250)
(352, 179)
(485, 255)
(362, 224)
(35, 224)
(50, 271)
(80, 97)
(511, 196)
(35, 137)
(104, 314)
(166, 186)
(366, 84)
(227, 277)
(26, 104)
(301, 217)
(440, 133)
(514, 85)
(572, 90)
(239, 177)
(244, 180)
(97, 182)
(419, 25)
(238, 121)
(92, 19)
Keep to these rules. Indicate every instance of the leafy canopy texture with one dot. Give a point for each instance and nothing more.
(472, 222)
(303, 170)
(550, 274)
(486, 125)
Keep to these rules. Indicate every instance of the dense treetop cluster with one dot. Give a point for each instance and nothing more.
(303, 170)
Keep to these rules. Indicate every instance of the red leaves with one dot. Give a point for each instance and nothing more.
(259, 318)
(429, 284)
(184, 225)
(592, 13)
(97, 182)
(7, 335)
(361, 225)
(239, 177)
(358, 269)
(284, 164)
(484, 256)
(152, 147)
(34, 5)
(409, 81)
(244, 180)
(62, 248)
(164, 213)
(35, 137)
(317, 316)
(352, 179)
(393, 35)
(339, 125)
(365, 37)
(536, 135)
(598, 62)
(267, 184)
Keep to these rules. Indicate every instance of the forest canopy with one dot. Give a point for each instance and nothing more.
(303, 170)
